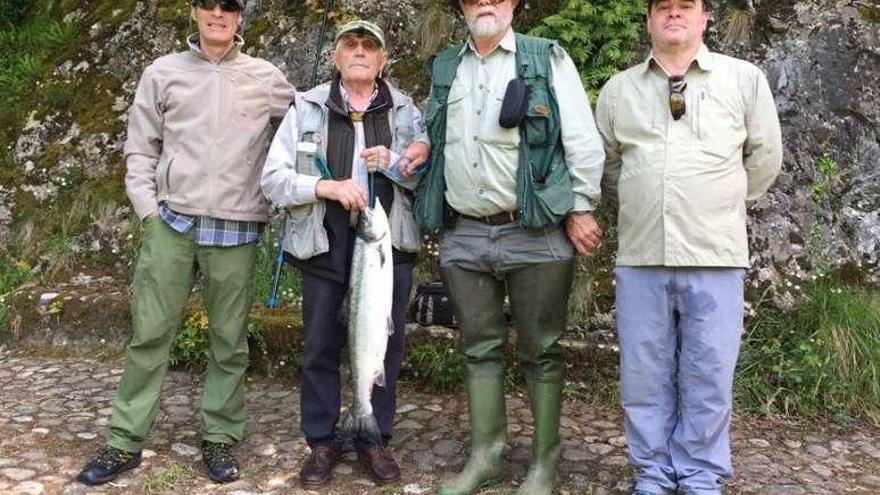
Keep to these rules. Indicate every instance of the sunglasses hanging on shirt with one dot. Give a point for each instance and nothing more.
(676, 96)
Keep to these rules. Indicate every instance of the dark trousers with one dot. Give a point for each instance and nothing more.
(325, 336)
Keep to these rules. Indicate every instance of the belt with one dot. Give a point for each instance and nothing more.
(502, 218)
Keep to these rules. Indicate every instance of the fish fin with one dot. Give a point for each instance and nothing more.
(390, 325)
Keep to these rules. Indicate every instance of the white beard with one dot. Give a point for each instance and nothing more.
(489, 26)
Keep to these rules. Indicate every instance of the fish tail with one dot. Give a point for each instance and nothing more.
(361, 427)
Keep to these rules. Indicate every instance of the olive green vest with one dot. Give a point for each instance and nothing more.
(543, 185)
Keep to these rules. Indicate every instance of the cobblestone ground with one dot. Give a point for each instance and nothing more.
(54, 413)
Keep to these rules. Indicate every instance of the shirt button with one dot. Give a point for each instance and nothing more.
(475, 138)
(480, 86)
(476, 164)
(480, 191)
(482, 61)
(479, 112)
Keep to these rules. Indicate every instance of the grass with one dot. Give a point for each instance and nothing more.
(25, 50)
(13, 273)
(738, 26)
(165, 480)
(823, 359)
(289, 286)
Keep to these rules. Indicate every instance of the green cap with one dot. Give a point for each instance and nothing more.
(362, 27)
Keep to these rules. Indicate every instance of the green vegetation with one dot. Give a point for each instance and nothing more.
(599, 35)
(25, 50)
(826, 177)
(439, 367)
(165, 480)
(191, 342)
(288, 286)
(13, 273)
(822, 359)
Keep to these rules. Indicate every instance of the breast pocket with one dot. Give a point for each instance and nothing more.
(250, 108)
(720, 127)
(456, 113)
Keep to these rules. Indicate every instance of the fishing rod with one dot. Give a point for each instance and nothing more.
(272, 301)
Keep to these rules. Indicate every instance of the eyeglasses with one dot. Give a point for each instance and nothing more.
(225, 5)
(676, 96)
(474, 2)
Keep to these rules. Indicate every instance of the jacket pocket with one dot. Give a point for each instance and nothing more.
(163, 176)
(305, 235)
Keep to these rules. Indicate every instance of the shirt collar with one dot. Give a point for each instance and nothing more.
(507, 43)
(344, 93)
(704, 59)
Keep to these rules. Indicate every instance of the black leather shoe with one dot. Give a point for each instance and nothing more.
(380, 464)
(221, 465)
(109, 464)
(319, 466)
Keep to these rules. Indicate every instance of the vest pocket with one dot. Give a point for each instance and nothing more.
(537, 121)
(305, 236)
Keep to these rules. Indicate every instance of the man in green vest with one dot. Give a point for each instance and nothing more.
(516, 167)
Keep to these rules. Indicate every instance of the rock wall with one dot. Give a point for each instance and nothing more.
(822, 59)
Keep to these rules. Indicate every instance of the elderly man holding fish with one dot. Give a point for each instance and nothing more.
(516, 167)
(337, 150)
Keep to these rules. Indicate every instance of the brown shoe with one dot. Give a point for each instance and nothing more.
(319, 466)
(380, 463)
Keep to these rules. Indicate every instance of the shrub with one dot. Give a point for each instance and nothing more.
(599, 35)
(822, 359)
(439, 367)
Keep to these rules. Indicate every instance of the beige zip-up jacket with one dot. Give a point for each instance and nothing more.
(198, 132)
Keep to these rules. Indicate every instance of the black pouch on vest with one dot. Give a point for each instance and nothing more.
(515, 104)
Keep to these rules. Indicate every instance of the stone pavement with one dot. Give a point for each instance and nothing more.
(54, 413)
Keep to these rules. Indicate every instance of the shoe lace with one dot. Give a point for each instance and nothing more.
(111, 457)
(217, 453)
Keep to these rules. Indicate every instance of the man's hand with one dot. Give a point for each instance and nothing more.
(376, 158)
(414, 155)
(346, 192)
(583, 232)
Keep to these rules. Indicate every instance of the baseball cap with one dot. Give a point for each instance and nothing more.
(362, 27)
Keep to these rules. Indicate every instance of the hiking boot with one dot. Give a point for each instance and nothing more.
(380, 464)
(219, 461)
(108, 464)
(319, 466)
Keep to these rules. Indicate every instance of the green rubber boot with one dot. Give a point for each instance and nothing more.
(488, 424)
(545, 399)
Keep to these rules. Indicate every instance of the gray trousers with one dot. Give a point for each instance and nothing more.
(680, 332)
(534, 268)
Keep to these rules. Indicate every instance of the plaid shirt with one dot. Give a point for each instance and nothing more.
(212, 231)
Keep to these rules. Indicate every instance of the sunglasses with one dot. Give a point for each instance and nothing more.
(676, 96)
(225, 5)
(474, 2)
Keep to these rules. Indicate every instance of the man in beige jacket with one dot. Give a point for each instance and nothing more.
(197, 138)
(689, 137)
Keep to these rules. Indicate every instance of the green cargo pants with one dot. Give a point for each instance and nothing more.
(163, 280)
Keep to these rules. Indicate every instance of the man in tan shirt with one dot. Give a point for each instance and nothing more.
(689, 137)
